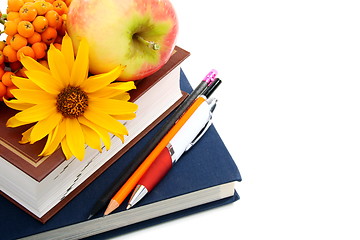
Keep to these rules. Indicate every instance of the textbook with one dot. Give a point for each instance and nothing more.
(41, 186)
(203, 178)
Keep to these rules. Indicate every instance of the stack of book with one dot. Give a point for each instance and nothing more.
(60, 194)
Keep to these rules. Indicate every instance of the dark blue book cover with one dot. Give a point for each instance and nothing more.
(206, 165)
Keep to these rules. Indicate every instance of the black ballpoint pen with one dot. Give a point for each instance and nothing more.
(129, 170)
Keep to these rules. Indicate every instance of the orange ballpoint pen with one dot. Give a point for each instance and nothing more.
(131, 183)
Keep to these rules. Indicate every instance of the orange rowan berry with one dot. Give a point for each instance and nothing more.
(64, 17)
(8, 92)
(60, 24)
(2, 58)
(27, 13)
(44, 63)
(34, 38)
(8, 38)
(21, 72)
(60, 7)
(13, 16)
(42, 7)
(6, 79)
(39, 49)
(62, 29)
(27, 51)
(68, 2)
(2, 91)
(58, 39)
(9, 54)
(28, 3)
(40, 24)
(18, 41)
(15, 5)
(57, 45)
(2, 71)
(53, 18)
(15, 66)
(2, 45)
(50, 1)
(10, 28)
(25, 29)
(49, 35)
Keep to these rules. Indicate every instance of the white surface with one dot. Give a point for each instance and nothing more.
(288, 112)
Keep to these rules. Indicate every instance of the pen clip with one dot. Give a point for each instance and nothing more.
(200, 134)
(212, 104)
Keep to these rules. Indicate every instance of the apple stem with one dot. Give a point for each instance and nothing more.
(150, 44)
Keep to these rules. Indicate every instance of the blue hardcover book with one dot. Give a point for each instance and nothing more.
(203, 178)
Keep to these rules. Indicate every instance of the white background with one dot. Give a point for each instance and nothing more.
(288, 112)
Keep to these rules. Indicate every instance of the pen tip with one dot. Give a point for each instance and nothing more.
(90, 216)
(128, 207)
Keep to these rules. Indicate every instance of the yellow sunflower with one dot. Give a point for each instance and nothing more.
(67, 106)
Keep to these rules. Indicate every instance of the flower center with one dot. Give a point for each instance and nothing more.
(72, 102)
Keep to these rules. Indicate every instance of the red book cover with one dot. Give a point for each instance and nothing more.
(25, 156)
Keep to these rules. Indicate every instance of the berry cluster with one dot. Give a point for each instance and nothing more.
(30, 26)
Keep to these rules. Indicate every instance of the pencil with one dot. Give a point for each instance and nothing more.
(134, 179)
(141, 156)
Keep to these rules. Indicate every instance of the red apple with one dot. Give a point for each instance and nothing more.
(137, 33)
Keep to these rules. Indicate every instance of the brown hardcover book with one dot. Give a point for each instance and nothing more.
(44, 172)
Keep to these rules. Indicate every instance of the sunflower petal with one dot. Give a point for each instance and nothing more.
(121, 137)
(112, 106)
(32, 65)
(115, 90)
(17, 104)
(97, 82)
(123, 97)
(58, 66)
(15, 122)
(106, 92)
(45, 81)
(103, 134)
(110, 93)
(33, 96)
(124, 86)
(124, 116)
(91, 138)
(75, 138)
(36, 113)
(44, 127)
(65, 148)
(26, 136)
(54, 139)
(68, 51)
(24, 83)
(80, 70)
(106, 121)
(48, 142)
